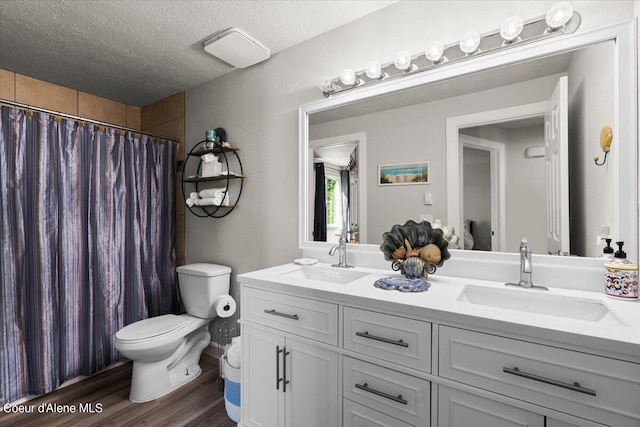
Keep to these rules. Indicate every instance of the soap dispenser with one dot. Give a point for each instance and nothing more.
(621, 276)
(607, 253)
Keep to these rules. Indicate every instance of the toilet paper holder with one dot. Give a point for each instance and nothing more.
(225, 306)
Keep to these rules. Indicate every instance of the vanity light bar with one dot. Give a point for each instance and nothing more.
(438, 55)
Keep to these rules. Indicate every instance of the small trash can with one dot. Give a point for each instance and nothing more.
(232, 376)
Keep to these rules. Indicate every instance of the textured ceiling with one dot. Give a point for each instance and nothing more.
(139, 51)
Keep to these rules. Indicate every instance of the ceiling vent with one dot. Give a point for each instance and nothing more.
(237, 48)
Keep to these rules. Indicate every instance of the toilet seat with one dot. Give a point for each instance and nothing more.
(152, 327)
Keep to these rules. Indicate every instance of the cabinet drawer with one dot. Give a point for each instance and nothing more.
(392, 338)
(566, 380)
(393, 393)
(312, 319)
(356, 415)
(460, 409)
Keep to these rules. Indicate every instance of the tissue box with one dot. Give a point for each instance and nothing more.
(210, 169)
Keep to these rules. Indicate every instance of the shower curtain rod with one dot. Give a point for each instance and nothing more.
(83, 119)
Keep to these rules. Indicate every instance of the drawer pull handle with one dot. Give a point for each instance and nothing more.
(575, 386)
(277, 313)
(387, 340)
(365, 387)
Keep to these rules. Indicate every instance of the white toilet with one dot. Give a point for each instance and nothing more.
(166, 350)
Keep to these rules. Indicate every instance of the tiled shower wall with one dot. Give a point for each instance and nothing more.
(27, 90)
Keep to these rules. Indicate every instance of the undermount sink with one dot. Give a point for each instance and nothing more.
(533, 301)
(331, 275)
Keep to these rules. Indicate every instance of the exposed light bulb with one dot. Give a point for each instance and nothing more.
(559, 19)
(348, 77)
(469, 42)
(374, 70)
(327, 86)
(511, 28)
(402, 61)
(558, 15)
(434, 51)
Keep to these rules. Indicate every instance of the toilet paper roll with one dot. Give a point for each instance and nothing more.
(225, 306)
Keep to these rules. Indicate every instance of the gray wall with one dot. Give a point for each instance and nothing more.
(258, 108)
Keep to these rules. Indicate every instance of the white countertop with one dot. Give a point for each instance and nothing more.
(617, 334)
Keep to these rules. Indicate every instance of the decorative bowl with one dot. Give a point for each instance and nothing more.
(415, 249)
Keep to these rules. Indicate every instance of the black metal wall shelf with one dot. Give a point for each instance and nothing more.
(190, 181)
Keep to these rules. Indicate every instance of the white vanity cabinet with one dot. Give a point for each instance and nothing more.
(288, 381)
(315, 357)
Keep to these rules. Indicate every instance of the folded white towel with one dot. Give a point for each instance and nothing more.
(209, 201)
(217, 201)
(208, 158)
(193, 195)
(212, 192)
(190, 202)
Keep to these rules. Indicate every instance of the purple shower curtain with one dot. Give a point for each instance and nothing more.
(87, 234)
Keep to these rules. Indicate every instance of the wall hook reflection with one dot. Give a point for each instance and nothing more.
(606, 136)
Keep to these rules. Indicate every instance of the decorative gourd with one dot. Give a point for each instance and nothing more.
(431, 253)
(400, 253)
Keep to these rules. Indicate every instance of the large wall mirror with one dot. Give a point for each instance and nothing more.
(506, 143)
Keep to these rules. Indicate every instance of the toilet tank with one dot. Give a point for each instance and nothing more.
(200, 285)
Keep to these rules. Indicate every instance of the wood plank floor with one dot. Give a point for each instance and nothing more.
(198, 403)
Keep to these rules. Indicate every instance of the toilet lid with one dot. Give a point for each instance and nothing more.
(151, 327)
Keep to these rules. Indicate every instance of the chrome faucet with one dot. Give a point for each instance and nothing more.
(526, 269)
(341, 247)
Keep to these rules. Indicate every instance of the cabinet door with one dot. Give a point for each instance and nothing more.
(312, 396)
(262, 404)
(459, 409)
